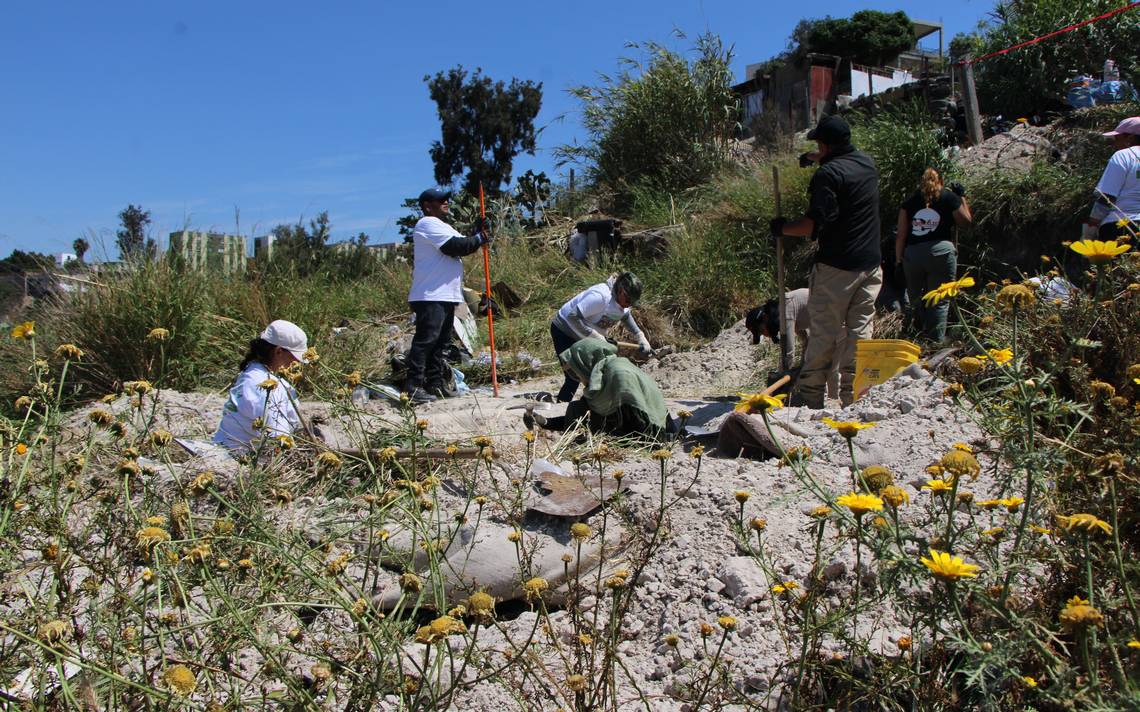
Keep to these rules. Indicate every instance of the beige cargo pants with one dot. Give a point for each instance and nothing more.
(842, 302)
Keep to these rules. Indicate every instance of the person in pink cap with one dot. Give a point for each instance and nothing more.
(1116, 211)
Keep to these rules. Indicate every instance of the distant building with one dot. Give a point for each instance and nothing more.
(62, 258)
(210, 251)
(794, 97)
(263, 247)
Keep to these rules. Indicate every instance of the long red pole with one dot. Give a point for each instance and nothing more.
(487, 285)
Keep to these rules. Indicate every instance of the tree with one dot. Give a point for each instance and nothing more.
(1032, 79)
(484, 124)
(21, 262)
(302, 248)
(666, 123)
(80, 246)
(532, 193)
(868, 37)
(131, 239)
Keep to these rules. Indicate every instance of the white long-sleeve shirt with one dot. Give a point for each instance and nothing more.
(594, 310)
(248, 401)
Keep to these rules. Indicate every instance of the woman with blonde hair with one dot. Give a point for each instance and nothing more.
(925, 249)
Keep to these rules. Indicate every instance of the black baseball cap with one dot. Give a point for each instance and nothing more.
(831, 130)
(432, 195)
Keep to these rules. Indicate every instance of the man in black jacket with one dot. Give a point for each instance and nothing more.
(844, 216)
(437, 286)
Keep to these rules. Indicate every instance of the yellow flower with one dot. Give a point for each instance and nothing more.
(860, 504)
(138, 388)
(100, 417)
(328, 461)
(877, 477)
(758, 524)
(353, 379)
(960, 463)
(697, 452)
(482, 441)
(311, 355)
(759, 402)
(410, 583)
(1078, 614)
(741, 496)
(580, 531)
(528, 436)
(938, 486)
(535, 587)
(661, 455)
(27, 330)
(286, 442)
(684, 414)
(158, 334)
(180, 679)
(1015, 295)
(388, 454)
(904, 643)
(1001, 356)
(482, 606)
(54, 632)
(1088, 522)
(727, 622)
(21, 449)
(577, 683)
(785, 587)
(148, 537)
(23, 403)
(990, 503)
(1134, 644)
(947, 567)
(947, 289)
(439, 629)
(1099, 252)
(819, 512)
(847, 428)
(1029, 681)
(963, 447)
(895, 496)
(1012, 503)
(69, 352)
(970, 365)
(267, 385)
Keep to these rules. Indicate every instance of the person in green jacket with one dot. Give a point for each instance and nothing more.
(619, 398)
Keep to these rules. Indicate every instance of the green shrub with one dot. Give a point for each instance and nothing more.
(666, 122)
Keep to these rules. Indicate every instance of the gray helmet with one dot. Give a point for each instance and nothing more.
(630, 284)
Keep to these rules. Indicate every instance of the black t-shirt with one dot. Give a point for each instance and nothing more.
(845, 207)
(930, 224)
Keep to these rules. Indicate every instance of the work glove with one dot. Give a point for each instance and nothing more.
(485, 238)
(481, 225)
(777, 226)
(806, 159)
(643, 346)
(957, 189)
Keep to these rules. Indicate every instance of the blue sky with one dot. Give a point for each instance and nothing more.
(279, 110)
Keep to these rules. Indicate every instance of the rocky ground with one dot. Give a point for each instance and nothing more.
(699, 572)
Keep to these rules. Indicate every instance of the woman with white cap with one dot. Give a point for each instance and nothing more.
(1116, 210)
(260, 403)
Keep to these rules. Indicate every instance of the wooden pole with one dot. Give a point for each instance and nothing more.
(490, 304)
(973, 117)
(785, 340)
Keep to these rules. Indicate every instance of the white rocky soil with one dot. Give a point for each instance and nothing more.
(699, 572)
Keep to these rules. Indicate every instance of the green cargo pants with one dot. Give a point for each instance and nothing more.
(927, 265)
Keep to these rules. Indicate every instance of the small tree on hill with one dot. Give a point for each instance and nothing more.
(302, 248)
(131, 237)
(484, 125)
(867, 37)
(80, 246)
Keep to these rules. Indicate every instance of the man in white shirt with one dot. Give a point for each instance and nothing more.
(590, 314)
(1118, 192)
(437, 287)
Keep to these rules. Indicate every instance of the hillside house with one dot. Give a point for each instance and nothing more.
(794, 96)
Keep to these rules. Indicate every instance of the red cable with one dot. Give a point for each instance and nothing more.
(1061, 31)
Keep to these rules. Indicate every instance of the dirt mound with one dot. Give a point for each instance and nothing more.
(724, 366)
(1016, 149)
